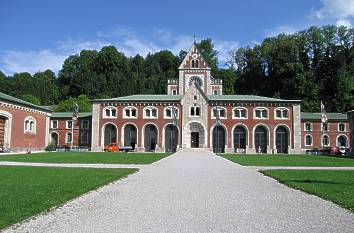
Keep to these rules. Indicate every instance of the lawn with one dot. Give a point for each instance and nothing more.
(26, 191)
(336, 186)
(87, 157)
(290, 160)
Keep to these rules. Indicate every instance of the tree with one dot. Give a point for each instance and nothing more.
(67, 105)
(31, 99)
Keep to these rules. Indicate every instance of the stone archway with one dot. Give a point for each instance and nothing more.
(54, 138)
(261, 139)
(171, 138)
(110, 134)
(240, 138)
(219, 137)
(282, 140)
(130, 135)
(2, 131)
(150, 137)
(197, 135)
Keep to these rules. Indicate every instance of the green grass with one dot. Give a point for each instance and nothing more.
(336, 186)
(290, 160)
(26, 191)
(87, 157)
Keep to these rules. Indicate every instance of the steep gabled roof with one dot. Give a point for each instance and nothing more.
(18, 101)
(194, 45)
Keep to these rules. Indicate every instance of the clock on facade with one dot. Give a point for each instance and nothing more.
(197, 80)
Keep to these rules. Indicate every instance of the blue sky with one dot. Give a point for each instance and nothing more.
(36, 35)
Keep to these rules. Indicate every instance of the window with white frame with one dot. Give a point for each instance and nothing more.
(130, 112)
(68, 137)
(195, 63)
(261, 113)
(170, 111)
(325, 127)
(219, 112)
(215, 92)
(54, 124)
(84, 137)
(195, 110)
(281, 113)
(325, 140)
(110, 112)
(69, 124)
(174, 92)
(240, 113)
(30, 125)
(341, 127)
(150, 112)
(85, 124)
(308, 140)
(308, 126)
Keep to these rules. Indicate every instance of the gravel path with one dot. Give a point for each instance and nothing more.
(194, 191)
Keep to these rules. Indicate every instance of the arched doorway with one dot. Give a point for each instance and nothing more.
(342, 141)
(219, 139)
(260, 139)
(171, 138)
(130, 135)
(2, 132)
(150, 137)
(240, 139)
(282, 140)
(197, 135)
(55, 138)
(110, 134)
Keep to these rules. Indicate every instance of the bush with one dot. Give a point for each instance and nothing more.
(51, 147)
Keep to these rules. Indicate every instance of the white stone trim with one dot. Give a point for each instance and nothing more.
(282, 109)
(239, 108)
(211, 135)
(247, 134)
(260, 108)
(110, 108)
(219, 107)
(346, 138)
(130, 108)
(8, 128)
(150, 108)
(31, 120)
(102, 132)
(268, 132)
(123, 130)
(275, 136)
(143, 134)
(164, 138)
(170, 107)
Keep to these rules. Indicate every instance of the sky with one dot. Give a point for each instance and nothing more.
(39, 34)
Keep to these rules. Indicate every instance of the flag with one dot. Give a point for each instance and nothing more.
(324, 117)
(174, 112)
(75, 111)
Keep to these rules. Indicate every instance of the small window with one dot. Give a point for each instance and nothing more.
(174, 92)
(325, 140)
(150, 112)
(281, 113)
(85, 124)
(308, 126)
(110, 112)
(215, 92)
(240, 113)
(130, 112)
(219, 112)
(30, 125)
(195, 110)
(195, 97)
(308, 140)
(69, 124)
(195, 63)
(68, 138)
(84, 138)
(261, 113)
(171, 112)
(324, 127)
(341, 127)
(54, 124)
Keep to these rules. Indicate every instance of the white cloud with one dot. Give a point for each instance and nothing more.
(280, 29)
(341, 11)
(344, 22)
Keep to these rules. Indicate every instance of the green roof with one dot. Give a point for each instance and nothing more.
(69, 114)
(143, 98)
(15, 100)
(247, 98)
(317, 116)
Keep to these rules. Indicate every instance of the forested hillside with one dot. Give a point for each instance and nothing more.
(312, 65)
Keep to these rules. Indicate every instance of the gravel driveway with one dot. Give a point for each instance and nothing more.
(194, 191)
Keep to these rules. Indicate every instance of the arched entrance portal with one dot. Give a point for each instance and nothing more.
(260, 139)
(130, 135)
(342, 141)
(282, 140)
(197, 135)
(240, 137)
(150, 137)
(171, 138)
(219, 139)
(2, 132)
(110, 134)
(55, 138)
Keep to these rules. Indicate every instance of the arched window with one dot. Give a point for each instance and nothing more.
(195, 63)
(195, 110)
(30, 125)
(325, 140)
(150, 112)
(261, 113)
(171, 112)
(239, 113)
(281, 113)
(308, 140)
(110, 112)
(342, 141)
(219, 112)
(68, 137)
(130, 112)
(308, 126)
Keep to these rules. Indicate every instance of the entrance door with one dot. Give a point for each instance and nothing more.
(282, 140)
(194, 139)
(2, 132)
(150, 137)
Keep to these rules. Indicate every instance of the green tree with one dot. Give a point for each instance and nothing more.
(31, 99)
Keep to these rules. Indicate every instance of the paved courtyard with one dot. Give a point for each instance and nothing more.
(194, 191)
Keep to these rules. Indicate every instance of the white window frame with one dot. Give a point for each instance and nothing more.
(67, 124)
(195, 106)
(215, 92)
(308, 135)
(310, 126)
(66, 137)
(174, 92)
(170, 107)
(52, 123)
(31, 127)
(282, 109)
(130, 108)
(82, 124)
(151, 108)
(328, 129)
(81, 137)
(329, 140)
(110, 108)
(260, 108)
(239, 108)
(219, 108)
(339, 127)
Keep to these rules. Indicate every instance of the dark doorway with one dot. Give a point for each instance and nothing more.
(240, 138)
(55, 139)
(281, 140)
(110, 134)
(171, 138)
(150, 137)
(342, 141)
(260, 139)
(194, 139)
(130, 133)
(2, 132)
(219, 139)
